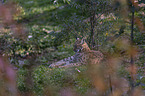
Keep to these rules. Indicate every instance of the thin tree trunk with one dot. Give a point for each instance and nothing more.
(131, 57)
(110, 84)
(97, 44)
(92, 21)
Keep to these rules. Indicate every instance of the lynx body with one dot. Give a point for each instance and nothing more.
(83, 55)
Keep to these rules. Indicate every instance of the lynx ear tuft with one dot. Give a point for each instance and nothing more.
(82, 41)
(78, 38)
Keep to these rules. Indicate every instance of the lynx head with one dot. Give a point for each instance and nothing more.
(80, 45)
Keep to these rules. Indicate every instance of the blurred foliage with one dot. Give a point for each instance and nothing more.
(41, 32)
(56, 79)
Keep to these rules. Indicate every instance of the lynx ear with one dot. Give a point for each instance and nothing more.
(82, 41)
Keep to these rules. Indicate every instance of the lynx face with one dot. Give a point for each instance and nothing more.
(84, 54)
(80, 46)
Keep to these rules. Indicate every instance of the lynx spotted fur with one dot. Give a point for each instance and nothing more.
(84, 55)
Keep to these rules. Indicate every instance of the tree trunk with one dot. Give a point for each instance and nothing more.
(92, 21)
(132, 37)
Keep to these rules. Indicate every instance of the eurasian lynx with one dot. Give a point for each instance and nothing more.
(84, 55)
